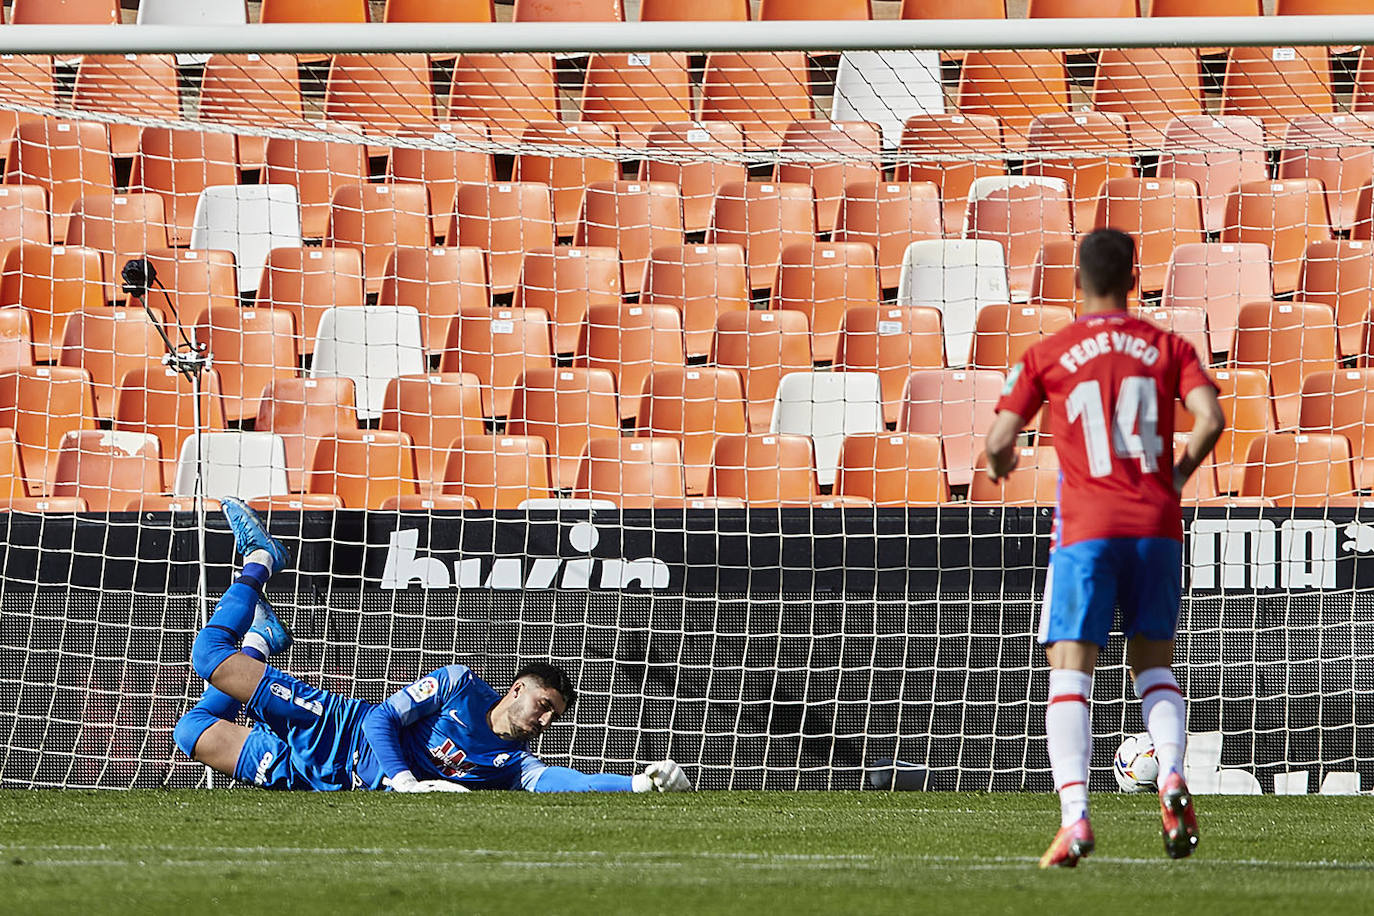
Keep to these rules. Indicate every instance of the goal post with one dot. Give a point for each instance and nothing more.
(664, 351)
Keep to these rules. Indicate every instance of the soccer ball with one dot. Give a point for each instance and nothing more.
(1134, 765)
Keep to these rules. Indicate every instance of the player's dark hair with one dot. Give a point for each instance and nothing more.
(552, 677)
(1106, 263)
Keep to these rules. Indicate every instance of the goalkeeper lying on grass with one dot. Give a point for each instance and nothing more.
(447, 732)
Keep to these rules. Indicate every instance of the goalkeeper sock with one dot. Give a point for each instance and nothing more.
(1068, 731)
(255, 646)
(1165, 715)
(221, 636)
(257, 569)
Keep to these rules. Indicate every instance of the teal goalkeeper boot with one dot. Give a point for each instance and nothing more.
(272, 630)
(250, 533)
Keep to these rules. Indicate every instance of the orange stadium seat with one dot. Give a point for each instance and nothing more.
(507, 92)
(499, 472)
(16, 340)
(1034, 482)
(1286, 216)
(1219, 277)
(953, 9)
(1054, 276)
(565, 282)
(636, 93)
(816, 9)
(364, 467)
(442, 170)
(316, 169)
(161, 402)
(416, 502)
(1078, 133)
(440, 11)
(68, 159)
(179, 165)
(252, 347)
(378, 220)
(632, 473)
(1217, 153)
(694, 405)
(630, 341)
(823, 281)
(891, 341)
(1249, 410)
(23, 217)
(26, 79)
(498, 346)
(760, 91)
(1320, 7)
(764, 218)
(566, 407)
(45, 504)
(720, 146)
(763, 469)
(380, 93)
(1298, 469)
(1160, 214)
(1206, 7)
(1290, 340)
(1342, 403)
(68, 12)
(1340, 274)
(763, 347)
(892, 469)
(1080, 9)
(120, 227)
(859, 142)
(304, 411)
(889, 215)
(109, 342)
(1015, 87)
(195, 279)
(12, 485)
(958, 406)
(42, 404)
(51, 282)
(700, 281)
(314, 11)
(438, 283)
(1187, 321)
(710, 10)
(1336, 149)
(959, 136)
(107, 470)
(1148, 87)
(297, 502)
(1023, 216)
(633, 216)
(1003, 333)
(305, 281)
(144, 86)
(569, 11)
(569, 173)
(433, 410)
(1277, 85)
(505, 220)
(252, 90)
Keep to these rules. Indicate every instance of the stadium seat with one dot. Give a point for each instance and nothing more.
(1021, 215)
(569, 11)
(160, 401)
(441, 170)
(630, 341)
(890, 216)
(440, 11)
(699, 158)
(378, 220)
(144, 86)
(700, 281)
(23, 217)
(958, 405)
(957, 136)
(370, 344)
(636, 93)
(1336, 150)
(191, 12)
(316, 169)
(1015, 87)
(250, 221)
(119, 226)
(1289, 340)
(12, 482)
(303, 411)
(1285, 216)
(569, 173)
(412, 502)
(67, 12)
(760, 91)
(710, 10)
(564, 282)
(1277, 85)
(48, 505)
(252, 347)
(1320, 7)
(364, 467)
(1079, 133)
(565, 407)
(379, 93)
(815, 9)
(1054, 276)
(255, 91)
(1159, 214)
(179, 165)
(1080, 9)
(109, 342)
(25, 79)
(1207, 8)
(498, 346)
(892, 469)
(957, 277)
(1220, 278)
(857, 144)
(1249, 411)
(507, 92)
(953, 9)
(42, 404)
(1217, 153)
(505, 220)
(304, 282)
(68, 159)
(827, 406)
(194, 280)
(1187, 321)
(1340, 274)
(762, 469)
(1148, 87)
(433, 409)
(499, 472)
(632, 473)
(314, 11)
(16, 340)
(694, 405)
(633, 216)
(763, 347)
(891, 341)
(1341, 403)
(1034, 481)
(107, 469)
(1299, 469)
(438, 283)
(886, 88)
(50, 282)
(296, 502)
(823, 281)
(764, 218)
(1003, 333)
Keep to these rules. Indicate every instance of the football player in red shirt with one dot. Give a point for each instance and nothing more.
(1111, 382)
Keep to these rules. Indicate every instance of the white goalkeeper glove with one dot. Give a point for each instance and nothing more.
(661, 777)
(405, 781)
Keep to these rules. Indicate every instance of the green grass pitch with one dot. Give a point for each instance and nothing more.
(245, 851)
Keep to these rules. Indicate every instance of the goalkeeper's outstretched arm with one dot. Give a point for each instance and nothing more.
(665, 776)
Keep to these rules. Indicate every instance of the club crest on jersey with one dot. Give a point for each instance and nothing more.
(500, 760)
(423, 689)
(450, 759)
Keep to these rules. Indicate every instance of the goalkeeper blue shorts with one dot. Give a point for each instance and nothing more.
(1089, 580)
(303, 737)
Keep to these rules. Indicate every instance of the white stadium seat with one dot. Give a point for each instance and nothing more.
(827, 406)
(371, 344)
(249, 220)
(958, 277)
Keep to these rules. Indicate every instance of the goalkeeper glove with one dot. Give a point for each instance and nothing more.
(405, 781)
(661, 777)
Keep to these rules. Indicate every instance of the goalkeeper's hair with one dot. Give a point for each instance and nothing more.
(552, 677)
(1106, 263)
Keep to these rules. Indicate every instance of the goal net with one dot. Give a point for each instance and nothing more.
(670, 362)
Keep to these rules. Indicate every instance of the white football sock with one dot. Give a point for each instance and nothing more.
(259, 556)
(1068, 730)
(1165, 715)
(256, 641)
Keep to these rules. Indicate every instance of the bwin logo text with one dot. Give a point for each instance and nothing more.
(404, 565)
